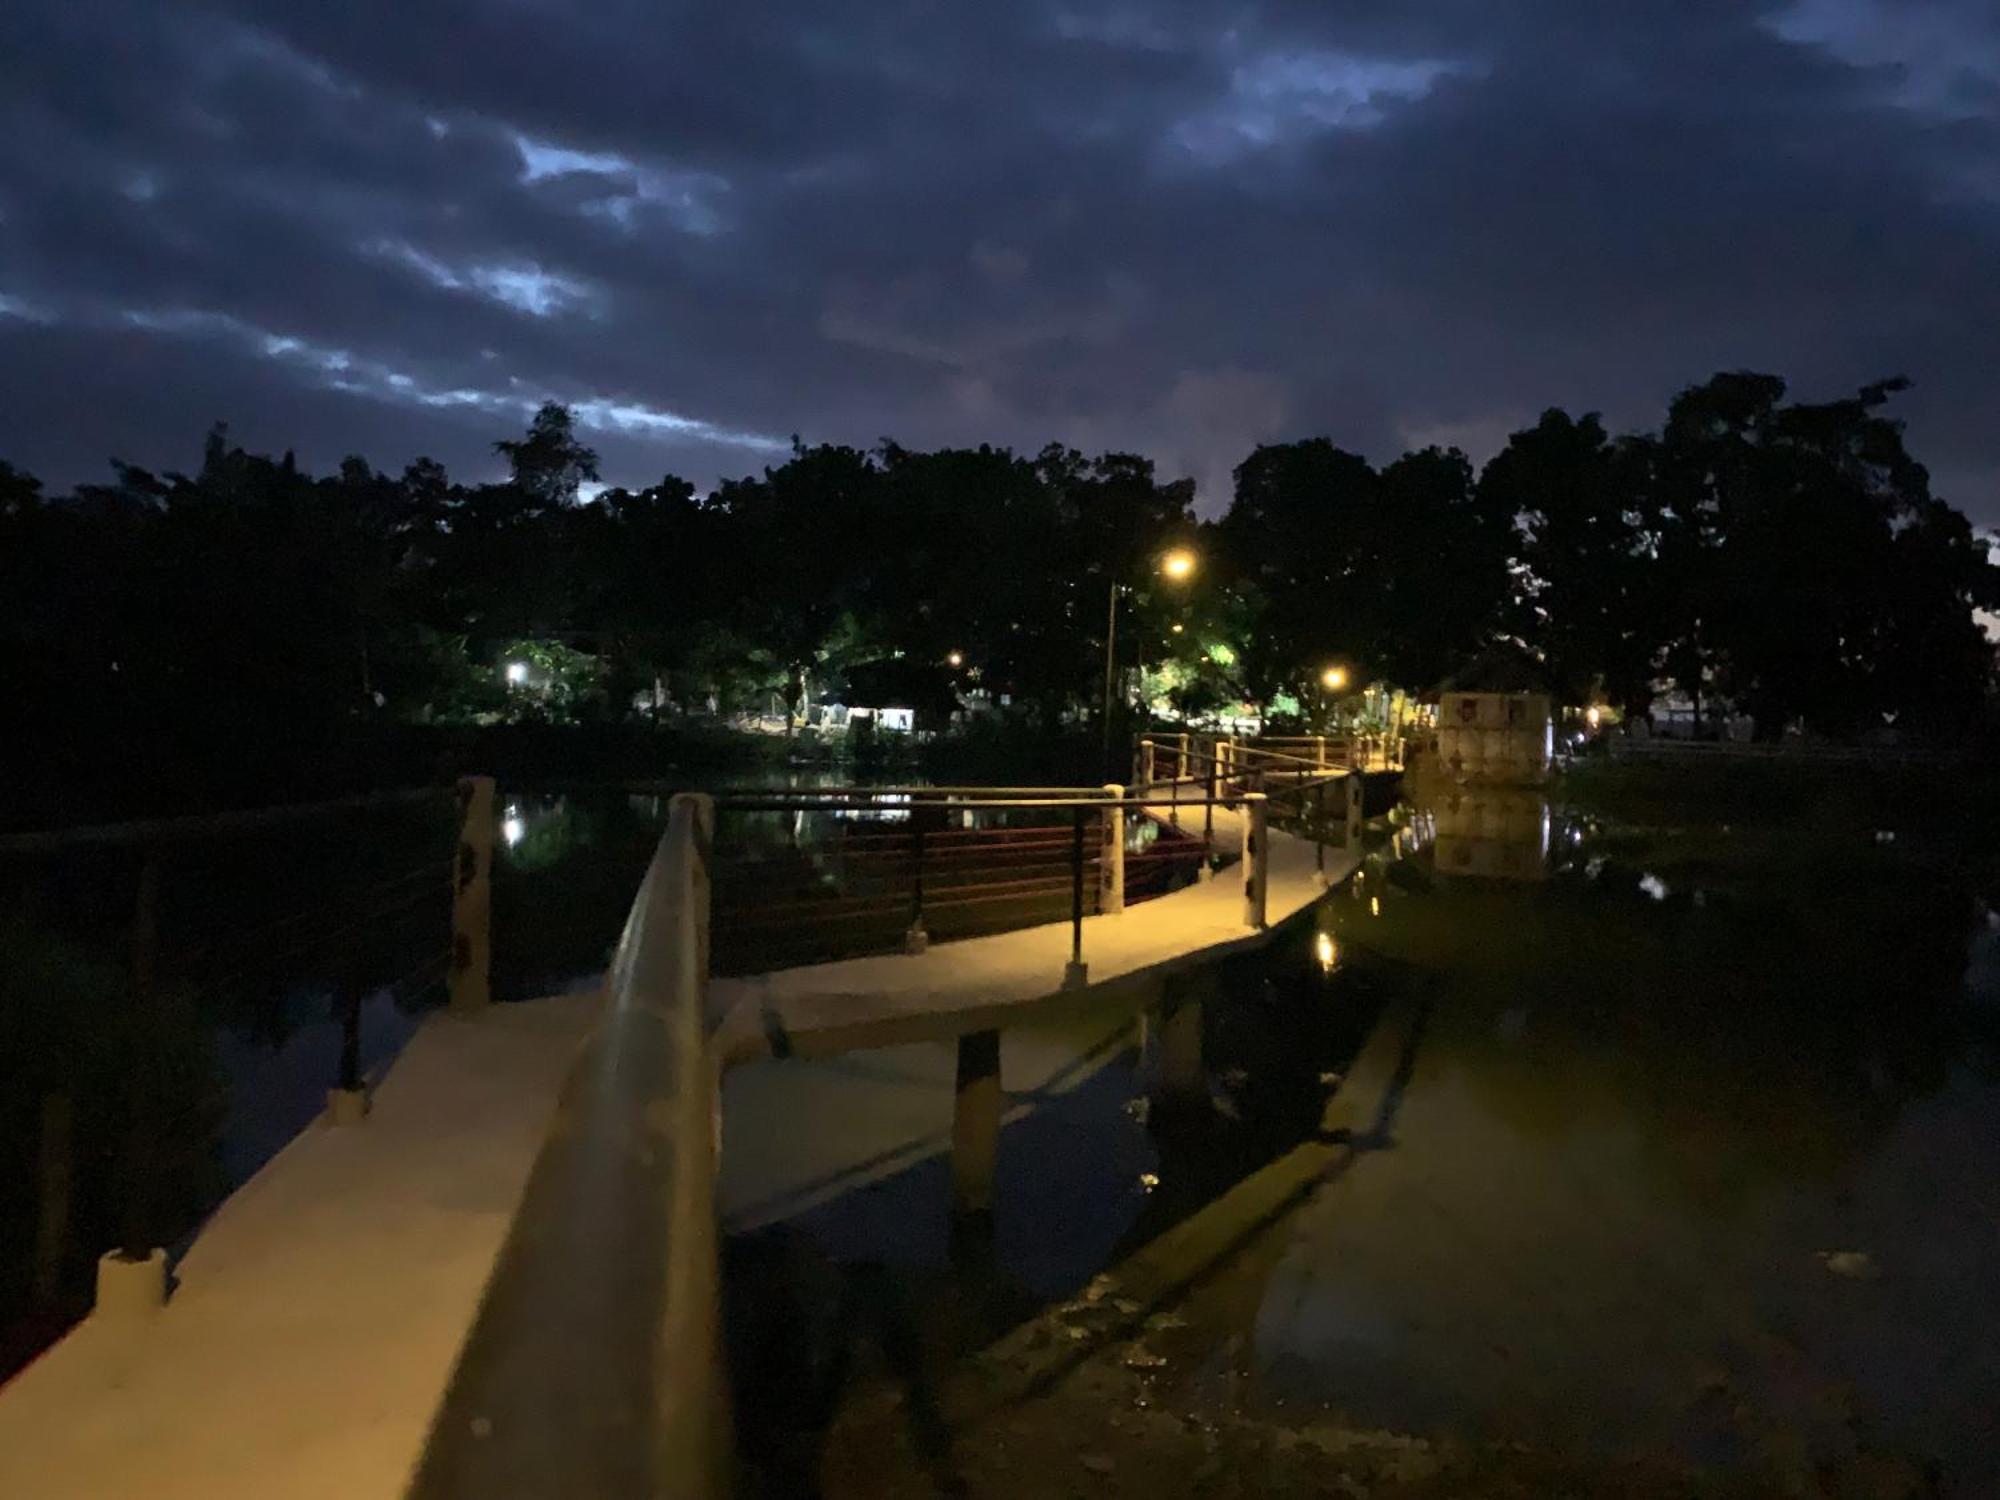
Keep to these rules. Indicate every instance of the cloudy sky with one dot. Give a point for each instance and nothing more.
(1183, 228)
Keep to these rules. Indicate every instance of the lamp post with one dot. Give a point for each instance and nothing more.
(1333, 679)
(1178, 566)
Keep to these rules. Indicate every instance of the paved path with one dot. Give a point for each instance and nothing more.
(320, 1310)
(979, 983)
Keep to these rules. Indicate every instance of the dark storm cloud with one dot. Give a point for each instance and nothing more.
(1176, 227)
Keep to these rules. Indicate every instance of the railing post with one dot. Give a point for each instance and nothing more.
(1319, 751)
(132, 1279)
(346, 1101)
(1319, 834)
(1353, 788)
(1256, 858)
(52, 1179)
(1077, 974)
(1180, 755)
(1146, 763)
(472, 897)
(1111, 856)
(1208, 817)
(916, 940)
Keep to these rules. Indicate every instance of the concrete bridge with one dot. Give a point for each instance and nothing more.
(496, 1271)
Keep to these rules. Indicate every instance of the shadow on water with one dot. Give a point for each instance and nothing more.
(875, 1286)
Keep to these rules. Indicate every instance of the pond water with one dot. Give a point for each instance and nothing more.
(1670, 1140)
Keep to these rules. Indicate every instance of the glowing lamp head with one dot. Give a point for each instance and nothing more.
(1178, 564)
(1178, 627)
(955, 659)
(1593, 716)
(1333, 679)
(517, 672)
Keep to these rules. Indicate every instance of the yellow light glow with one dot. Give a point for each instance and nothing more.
(1178, 628)
(1374, 906)
(1178, 564)
(1333, 679)
(1593, 715)
(1327, 951)
(956, 659)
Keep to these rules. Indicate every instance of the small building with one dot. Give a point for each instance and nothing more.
(1496, 721)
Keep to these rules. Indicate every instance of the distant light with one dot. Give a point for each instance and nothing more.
(513, 830)
(1178, 627)
(1593, 715)
(1178, 564)
(1333, 679)
(1653, 886)
(1374, 906)
(517, 671)
(1326, 951)
(956, 659)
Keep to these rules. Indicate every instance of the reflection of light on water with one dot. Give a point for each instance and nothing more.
(1374, 906)
(1653, 886)
(1327, 951)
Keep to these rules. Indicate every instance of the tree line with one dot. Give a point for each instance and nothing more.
(1788, 558)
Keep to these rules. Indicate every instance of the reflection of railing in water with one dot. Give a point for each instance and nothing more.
(199, 936)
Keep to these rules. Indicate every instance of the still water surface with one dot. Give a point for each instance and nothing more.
(1682, 1141)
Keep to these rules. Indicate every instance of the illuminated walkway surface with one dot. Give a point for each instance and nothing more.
(318, 1313)
(966, 986)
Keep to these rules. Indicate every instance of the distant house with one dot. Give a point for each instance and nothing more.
(1496, 719)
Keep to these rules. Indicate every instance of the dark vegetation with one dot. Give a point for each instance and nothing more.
(252, 632)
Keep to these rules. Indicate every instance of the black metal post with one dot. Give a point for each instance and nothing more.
(349, 1004)
(1076, 888)
(1319, 830)
(1208, 816)
(917, 877)
(136, 1216)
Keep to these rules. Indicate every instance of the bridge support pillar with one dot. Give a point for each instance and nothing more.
(1111, 856)
(975, 1125)
(472, 896)
(1177, 1075)
(1353, 787)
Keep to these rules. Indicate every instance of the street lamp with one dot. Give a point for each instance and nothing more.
(1333, 679)
(955, 659)
(1177, 565)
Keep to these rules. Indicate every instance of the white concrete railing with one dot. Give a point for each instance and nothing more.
(594, 1366)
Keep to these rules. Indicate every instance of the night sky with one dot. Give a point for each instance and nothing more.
(1181, 228)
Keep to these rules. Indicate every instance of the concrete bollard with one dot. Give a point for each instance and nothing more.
(1111, 854)
(1256, 858)
(472, 897)
(128, 1289)
(977, 1106)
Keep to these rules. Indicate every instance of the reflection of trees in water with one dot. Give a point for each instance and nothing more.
(84, 1070)
(1751, 1003)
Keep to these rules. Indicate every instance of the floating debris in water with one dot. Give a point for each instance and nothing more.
(1856, 1265)
(1148, 1181)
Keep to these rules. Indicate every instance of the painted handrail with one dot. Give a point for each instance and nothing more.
(593, 1366)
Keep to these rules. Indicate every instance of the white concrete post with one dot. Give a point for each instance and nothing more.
(1256, 858)
(1111, 856)
(1145, 763)
(472, 897)
(1319, 751)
